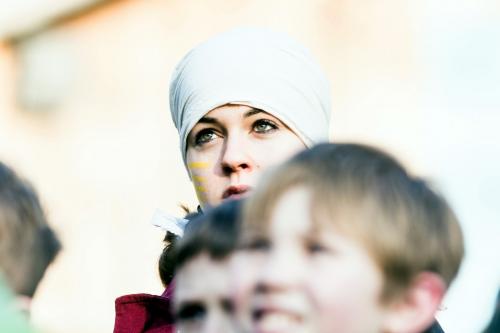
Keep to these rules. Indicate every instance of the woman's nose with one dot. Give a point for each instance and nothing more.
(236, 156)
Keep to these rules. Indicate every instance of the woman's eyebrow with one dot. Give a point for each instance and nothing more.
(208, 120)
(252, 112)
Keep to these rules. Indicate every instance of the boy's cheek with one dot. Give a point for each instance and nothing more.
(341, 301)
(243, 274)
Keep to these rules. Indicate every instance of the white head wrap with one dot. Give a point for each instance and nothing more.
(254, 67)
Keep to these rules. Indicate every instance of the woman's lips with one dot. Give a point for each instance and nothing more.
(235, 191)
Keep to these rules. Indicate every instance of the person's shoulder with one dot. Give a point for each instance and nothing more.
(10, 319)
(139, 298)
(143, 313)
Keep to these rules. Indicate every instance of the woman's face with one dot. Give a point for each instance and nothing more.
(295, 278)
(229, 147)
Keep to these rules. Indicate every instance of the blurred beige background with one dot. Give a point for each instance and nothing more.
(84, 114)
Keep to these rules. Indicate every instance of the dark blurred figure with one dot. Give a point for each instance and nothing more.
(494, 326)
(27, 244)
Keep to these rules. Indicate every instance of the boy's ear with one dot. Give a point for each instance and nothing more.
(415, 310)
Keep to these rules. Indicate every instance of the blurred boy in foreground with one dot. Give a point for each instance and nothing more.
(342, 239)
(202, 296)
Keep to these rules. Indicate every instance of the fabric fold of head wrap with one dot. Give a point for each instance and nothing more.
(256, 67)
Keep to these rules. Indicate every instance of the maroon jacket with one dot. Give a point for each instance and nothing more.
(144, 313)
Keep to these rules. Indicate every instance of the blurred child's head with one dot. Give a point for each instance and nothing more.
(202, 301)
(342, 239)
(27, 243)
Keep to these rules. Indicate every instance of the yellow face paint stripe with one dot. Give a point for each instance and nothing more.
(199, 179)
(198, 165)
(200, 189)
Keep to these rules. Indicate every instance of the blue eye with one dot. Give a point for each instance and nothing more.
(204, 136)
(264, 126)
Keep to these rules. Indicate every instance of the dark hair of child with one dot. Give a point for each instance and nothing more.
(214, 232)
